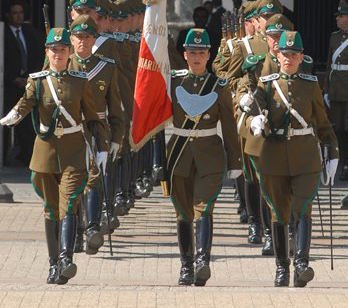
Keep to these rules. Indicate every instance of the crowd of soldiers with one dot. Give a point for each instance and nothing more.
(271, 126)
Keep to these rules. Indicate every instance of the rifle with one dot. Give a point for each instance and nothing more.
(236, 23)
(242, 24)
(224, 26)
(229, 26)
(68, 16)
(46, 18)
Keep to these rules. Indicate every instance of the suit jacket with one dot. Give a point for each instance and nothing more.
(12, 69)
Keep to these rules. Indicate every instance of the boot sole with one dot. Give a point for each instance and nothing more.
(202, 275)
(94, 243)
(304, 278)
(69, 272)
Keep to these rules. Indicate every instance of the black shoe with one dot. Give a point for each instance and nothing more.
(254, 236)
(52, 274)
(281, 251)
(94, 240)
(267, 249)
(185, 241)
(114, 224)
(204, 238)
(52, 230)
(66, 268)
(303, 273)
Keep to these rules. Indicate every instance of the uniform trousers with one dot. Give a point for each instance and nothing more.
(284, 192)
(59, 191)
(339, 117)
(194, 196)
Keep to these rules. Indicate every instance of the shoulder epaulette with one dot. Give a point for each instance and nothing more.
(223, 82)
(308, 59)
(269, 77)
(39, 74)
(105, 59)
(108, 35)
(336, 32)
(251, 62)
(308, 77)
(120, 36)
(77, 74)
(177, 73)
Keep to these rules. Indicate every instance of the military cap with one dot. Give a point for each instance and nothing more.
(290, 42)
(84, 24)
(197, 38)
(278, 23)
(342, 8)
(57, 37)
(83, 3)
(103, 7)
(122, 9)
(269, 7)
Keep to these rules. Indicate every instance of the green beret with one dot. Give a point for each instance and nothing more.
(342, 8)
(84, 24)
(83, 3)
(278, 23)
(197, 38)
(290, 42)
(57, 37)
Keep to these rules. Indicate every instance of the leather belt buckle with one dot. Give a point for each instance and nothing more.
(59, 131)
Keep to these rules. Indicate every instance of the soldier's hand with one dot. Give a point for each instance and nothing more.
(11, 118)
(331, 167)
(102, 158)
(114, 150)
(233, 174)
(258, 124)
(245, 102)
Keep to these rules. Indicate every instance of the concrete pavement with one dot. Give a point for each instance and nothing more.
(144, 269)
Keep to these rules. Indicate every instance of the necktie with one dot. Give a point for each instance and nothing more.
(23, 53)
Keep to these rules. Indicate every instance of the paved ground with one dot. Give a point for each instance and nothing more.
(144, 269)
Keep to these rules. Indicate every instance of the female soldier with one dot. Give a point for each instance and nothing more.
(289, 165)
(57, 98)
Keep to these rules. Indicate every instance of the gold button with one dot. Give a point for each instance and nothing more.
(59, 79)
(60, 90)
(84, 66)
(191, 139)
(289, 83)
(290, 93)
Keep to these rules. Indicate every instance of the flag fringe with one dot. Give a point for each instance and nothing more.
(149, 135)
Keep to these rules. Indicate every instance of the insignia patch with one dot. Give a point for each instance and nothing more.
(84, 26)
(270, 5)
(197, 40)
(98, 8)
(269, 77)
(279, 26)
(222, 82)
(78, 74)
(39, 74)
(308, 77)
(101, 88)
(57, 38)
(308, 59)
(176, 73)
(290, 43)
(83, 1)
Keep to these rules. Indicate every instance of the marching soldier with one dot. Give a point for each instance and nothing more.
(196, 155)
(291, 117)
(103, 78)
(336, 85)
(57, 98)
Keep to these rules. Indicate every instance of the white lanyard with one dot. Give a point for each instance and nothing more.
(59, 103)
(296, 115)
(339, 50)
(247, 45)
(100, 40)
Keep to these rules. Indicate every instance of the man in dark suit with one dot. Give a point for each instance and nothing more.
(24, 54)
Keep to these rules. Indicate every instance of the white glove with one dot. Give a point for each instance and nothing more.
(245, 102)
(331, 167)
(233, 174)
(114, 150)
(258, 124)
(102, 158)
(326, 100)
(11, 118)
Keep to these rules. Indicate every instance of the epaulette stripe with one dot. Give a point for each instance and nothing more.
(78, 74)
(176, 73)
(269, 77)
(308, 77)
(39, 74)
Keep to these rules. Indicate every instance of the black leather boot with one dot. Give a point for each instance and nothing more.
(67, 232)
(185, 240)
(281, 250)
(204, 238)
(240, 186)
(52, 229)
(120, 198)
(267, 249)
(292, 232)
(303, 273)
(94, 237)
(80, 227)
(252, 198)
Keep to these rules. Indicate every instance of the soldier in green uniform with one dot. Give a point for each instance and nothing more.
(196, 154)
(336, 85)
(57, 98)
(103, 78)
(290, 164)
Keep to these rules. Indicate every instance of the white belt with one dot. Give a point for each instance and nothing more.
(339, 67)
(195, 132)
(101, 115)
(297, 132)
(60, 131)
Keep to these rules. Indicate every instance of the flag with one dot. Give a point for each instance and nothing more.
(152, 109)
